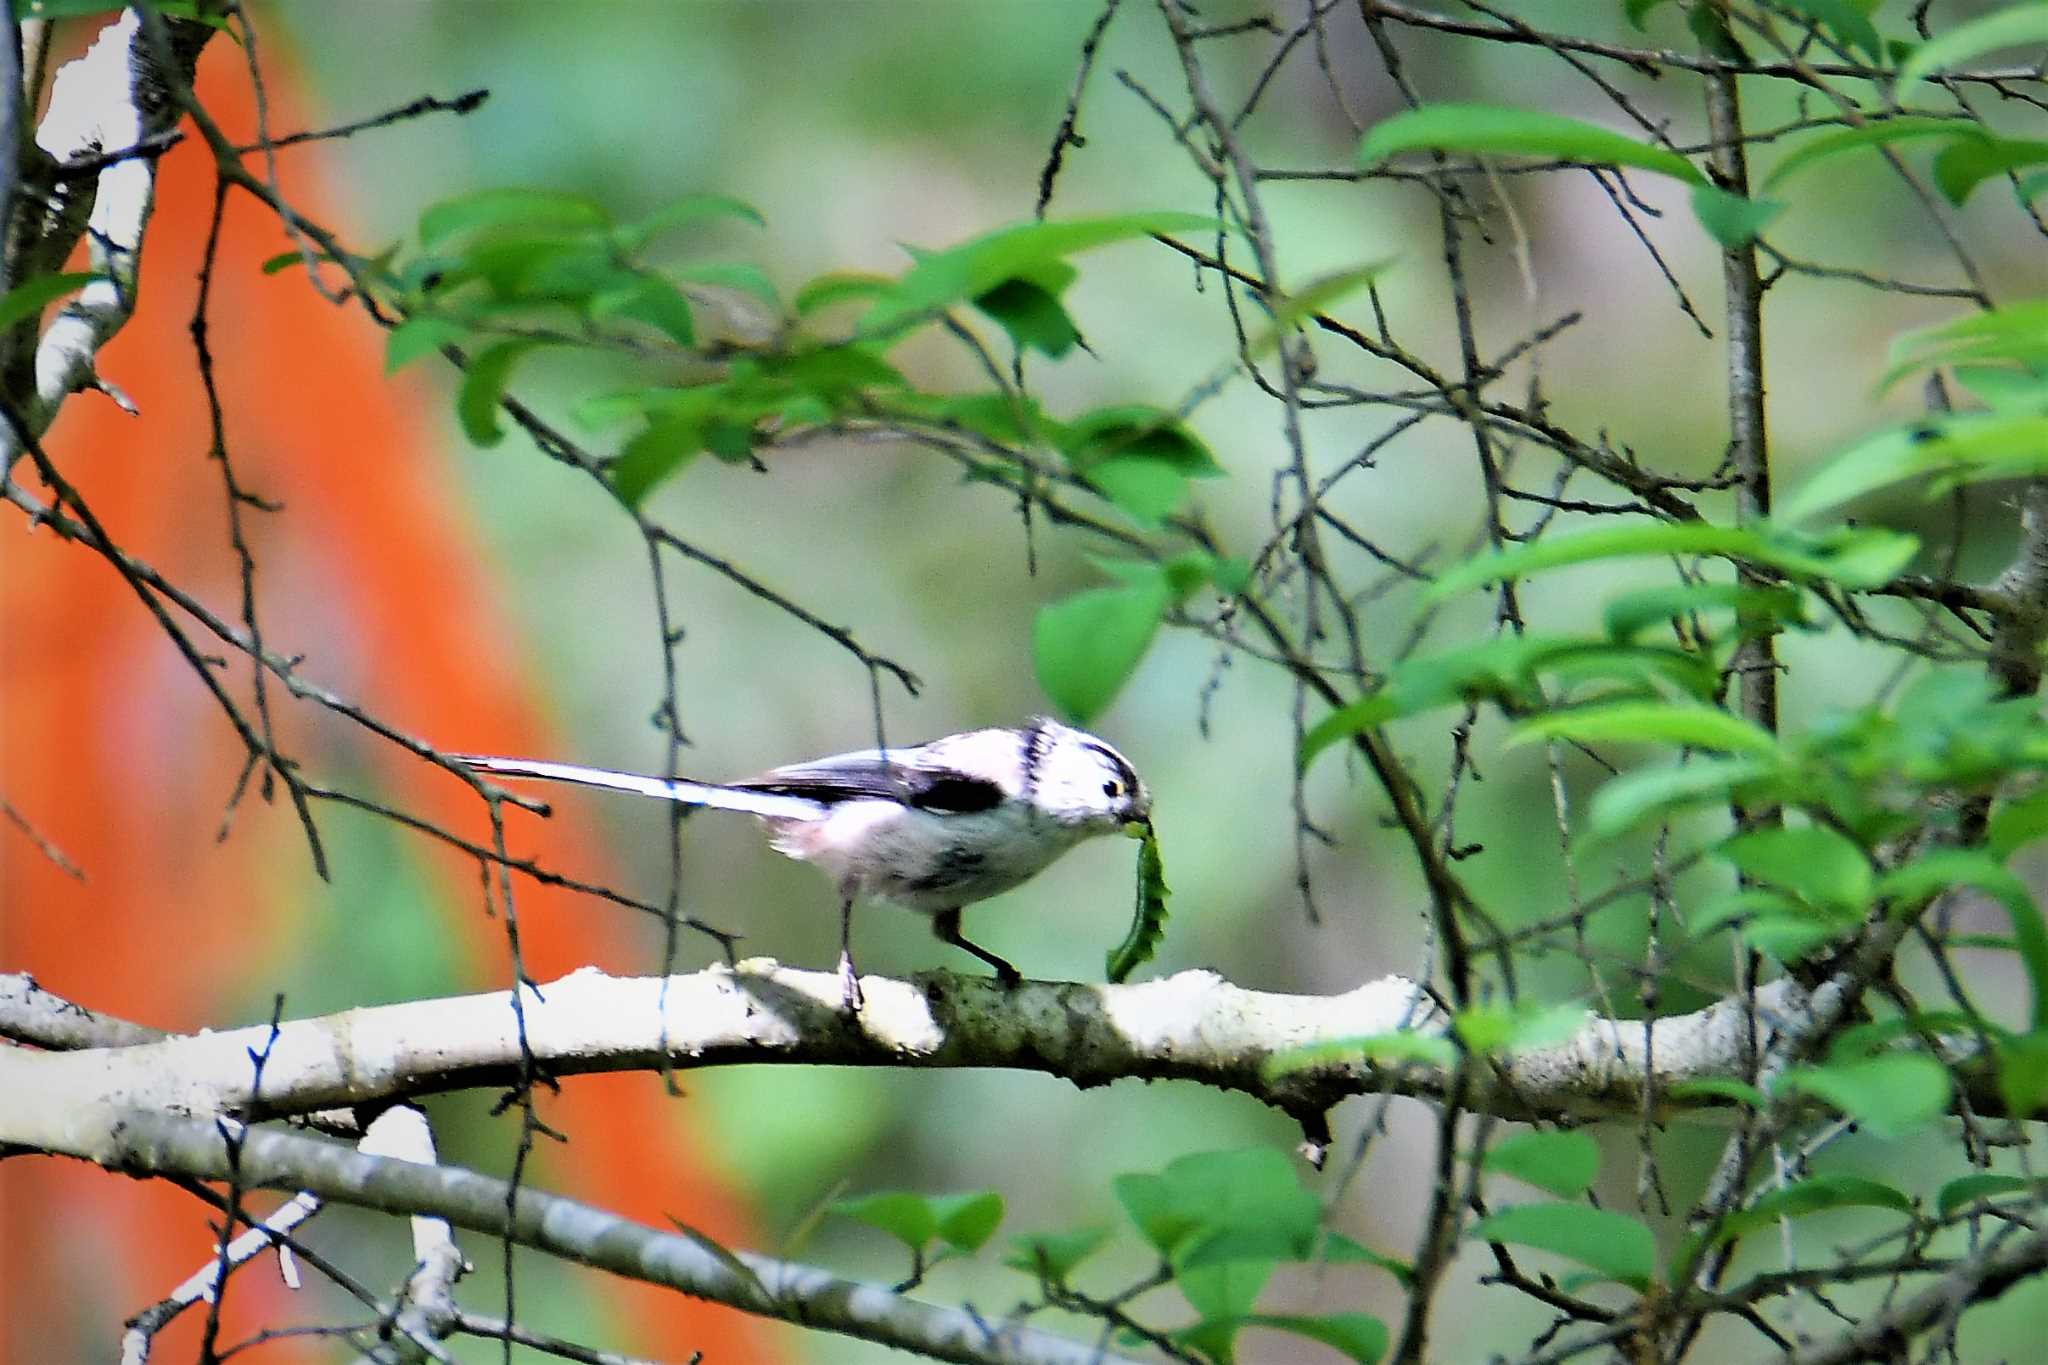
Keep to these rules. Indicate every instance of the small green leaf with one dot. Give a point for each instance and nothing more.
(483, 386)
(1970, 160)
(1617, 1246)
(1814, 1195)
(1490, 129)
(1388, 1048)
(1854, 558)
(2014, 26)
(1148, 922)
(1629, 614)
(1878, 133)
(1966, 1190)
(30, 297)
(419, 335)
(530, 209)
(1085, 646)
(966, 1221)
(1721, 1087)
(1943, 868)
(1850, 25)
(1034, 317)
(907, 1217)
(736, 275)
(1730, 219)
(1818, 864)
(1053, 1255)
(1564, 1164)
(1492, 1027)
(1250, 1193)
(691, 208)
(827, 290)
(652, 300)
(1341, 1250)
(1357, 1336)
(662, 448)
(1634, 722)
(1890, 1095)
(1625, 801)
(2023, 1073)
(941, 279)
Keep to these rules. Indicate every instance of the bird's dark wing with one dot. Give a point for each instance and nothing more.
(868, 776)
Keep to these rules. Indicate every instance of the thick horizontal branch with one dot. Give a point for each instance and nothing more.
(142, 1143)
(1193, 1026)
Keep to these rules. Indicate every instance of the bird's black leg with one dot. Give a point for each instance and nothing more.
(849, 979)
(946, 924)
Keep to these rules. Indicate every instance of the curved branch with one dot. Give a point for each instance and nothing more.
(138, 1142)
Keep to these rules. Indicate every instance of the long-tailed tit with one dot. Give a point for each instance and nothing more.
(933, 828)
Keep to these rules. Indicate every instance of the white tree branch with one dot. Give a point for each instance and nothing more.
(1192, 1026)
(110, 100)
(143, 1143)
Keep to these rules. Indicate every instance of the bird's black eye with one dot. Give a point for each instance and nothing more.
(1112, 788)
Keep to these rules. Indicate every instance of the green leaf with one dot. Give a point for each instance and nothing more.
(967, 1221)
(1853, 558)
(1966, 1190)
(1085, 646)
(1730, 219)
(1816, 863)
(747, 279)
(1890, 1095)
(1358, 1336)
(1490, 129)
(1135, 432)
(1216, 1205)
(1617, 1246)
(1879, 133)
(550, 210)
(2016, 332)
(652, 300)
(1721, 1087)
(1341, 1250)
(1789, 938)
(1943, 868)
(1148, 922)
(1625, 801)
(2014, 26)
(1564, 1164)
(1504, 669)
(1816, 1194)
(1954, 450)
(483, 386)
(1387, 1048)
(1969, 161)
(1849, 24)
(942, 279)
(907, 1217)
(662, 448)
(1309, 300)
(420, 335)
(1034, 317)
(691, 208)
(1496, 1028)
(1746, 903)
(30, 297)
(1634, 722)
(1223, 1293)
(2023, 1073)
(1053, 1255)
(1629, 614)
(827, 290)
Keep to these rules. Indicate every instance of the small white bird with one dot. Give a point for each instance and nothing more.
(934, 827)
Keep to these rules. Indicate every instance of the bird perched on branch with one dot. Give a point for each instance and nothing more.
(934, 827)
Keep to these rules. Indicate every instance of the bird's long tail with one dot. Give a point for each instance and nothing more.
(772, 804)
